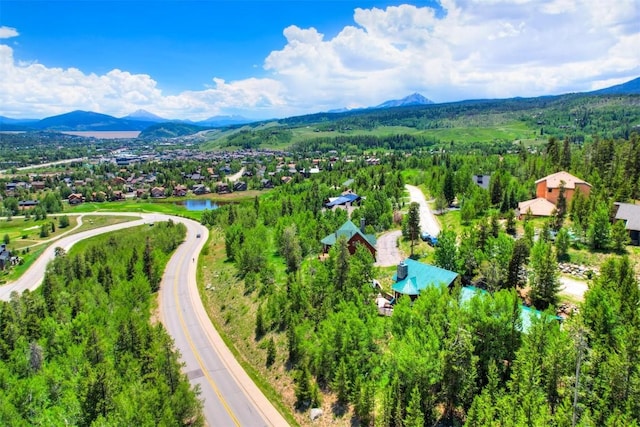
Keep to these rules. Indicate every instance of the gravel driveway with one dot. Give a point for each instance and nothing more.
(428, 221)
(388, 252)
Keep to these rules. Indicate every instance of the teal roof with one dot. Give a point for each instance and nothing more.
(421, 276)
(348, 230)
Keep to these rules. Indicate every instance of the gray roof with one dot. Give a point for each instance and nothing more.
(630, 213)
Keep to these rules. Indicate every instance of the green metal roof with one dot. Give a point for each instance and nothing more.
(348, 230)
(421, 276)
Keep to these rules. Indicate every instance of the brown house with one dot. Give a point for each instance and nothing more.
(75, 198)
(222, 188)
(548, 193)
(355, 236)
(549, 186)
(180, 190)
(157, 192)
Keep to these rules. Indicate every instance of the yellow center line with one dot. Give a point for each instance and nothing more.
(196, 354)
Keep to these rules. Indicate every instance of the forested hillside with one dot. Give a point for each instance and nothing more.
(574, 116)
(311, 325)
(81, 350)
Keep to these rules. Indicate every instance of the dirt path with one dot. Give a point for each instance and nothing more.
(573, 287)
(236, 176)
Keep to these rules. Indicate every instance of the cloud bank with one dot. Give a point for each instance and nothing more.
(474, 49)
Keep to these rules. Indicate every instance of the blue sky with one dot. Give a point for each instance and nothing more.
(262, 58)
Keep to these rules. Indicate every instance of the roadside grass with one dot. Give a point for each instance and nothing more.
(232, 311)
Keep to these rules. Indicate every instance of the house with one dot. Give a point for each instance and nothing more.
(630, 214)
(482, 181)
(535, 207)
(5, 256)
(222, 188)
(157, 192)
(239, 186)
(549, 186)
(37, 185)
(200, 189)
(99, 196)
(266, 183)
(412, 277)
(548, 193)
(354, 236)
(117, 195)
(27, 204)
(179, 190)
(75, 198)
(346, 199)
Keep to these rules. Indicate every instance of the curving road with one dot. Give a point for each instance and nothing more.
(230, 397)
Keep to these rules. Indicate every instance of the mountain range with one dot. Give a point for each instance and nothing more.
(142, 119)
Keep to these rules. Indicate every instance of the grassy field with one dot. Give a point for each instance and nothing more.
(461, 131)
(169, 206)
(28, 244)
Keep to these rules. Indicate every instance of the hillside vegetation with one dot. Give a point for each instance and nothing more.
(577, 116)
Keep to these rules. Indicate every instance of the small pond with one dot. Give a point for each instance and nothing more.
(199, 204)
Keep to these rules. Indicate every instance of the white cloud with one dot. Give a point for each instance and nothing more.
(8, 32)
(476, 48)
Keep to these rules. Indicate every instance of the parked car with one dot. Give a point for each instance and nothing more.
(431, 240)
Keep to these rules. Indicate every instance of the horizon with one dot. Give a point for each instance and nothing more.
(199, 59)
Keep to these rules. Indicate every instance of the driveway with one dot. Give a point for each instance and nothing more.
(388, 252)
(428, 221)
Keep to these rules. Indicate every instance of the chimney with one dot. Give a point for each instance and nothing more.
(362, 224)
(403, 271)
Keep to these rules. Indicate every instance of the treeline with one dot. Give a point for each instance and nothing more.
(357, 143)
(81, 350)
(24, 149)
(577, 116)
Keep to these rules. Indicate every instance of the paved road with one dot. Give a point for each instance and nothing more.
(230, 397)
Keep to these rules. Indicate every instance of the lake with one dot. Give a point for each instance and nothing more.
(199, 204)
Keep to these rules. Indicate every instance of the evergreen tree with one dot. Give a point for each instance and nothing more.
(598, 233)
(619, 237)
(446, 254)
(543, 276)
(413, 223)
(448, 188)
(414, 417)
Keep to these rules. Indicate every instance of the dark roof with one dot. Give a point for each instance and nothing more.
(629, 213)
(344, 199)
(421, 276)
(348, 230)
(482, 180)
